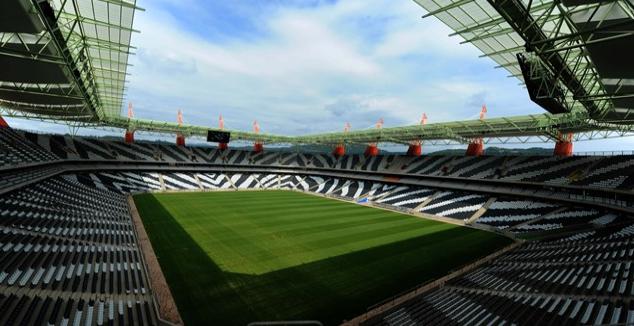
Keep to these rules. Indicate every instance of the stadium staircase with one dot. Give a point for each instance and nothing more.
(480, 211)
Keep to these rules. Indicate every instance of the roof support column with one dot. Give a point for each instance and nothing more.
(563, 146)
(3, 123)
(129, 136)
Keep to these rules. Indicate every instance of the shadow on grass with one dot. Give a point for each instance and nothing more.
(329, 290)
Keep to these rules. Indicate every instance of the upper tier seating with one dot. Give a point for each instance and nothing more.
(16, 149)
(571, 217)
(9, 179)
(613, 172)
(316, 160)
(122, 182)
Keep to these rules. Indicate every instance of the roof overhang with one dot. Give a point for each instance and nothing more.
(65, 58)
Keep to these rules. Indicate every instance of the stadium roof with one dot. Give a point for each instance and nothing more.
(66, 60)
(585, 45)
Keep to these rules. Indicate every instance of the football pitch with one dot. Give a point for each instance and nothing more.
(231, 258)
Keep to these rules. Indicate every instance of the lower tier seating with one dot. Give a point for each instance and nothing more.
(453, 204)
(586, 281)
(519, 216)
(35, 309)
(505, 213)
(404, 196)
(68, 255)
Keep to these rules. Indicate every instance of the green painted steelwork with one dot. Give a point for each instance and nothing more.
(80, 42)
(545, 125)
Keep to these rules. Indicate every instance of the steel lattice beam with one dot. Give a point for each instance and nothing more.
(517, 15)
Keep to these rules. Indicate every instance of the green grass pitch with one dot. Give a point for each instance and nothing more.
(231, 258)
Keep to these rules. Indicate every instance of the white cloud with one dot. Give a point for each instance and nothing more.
(307, 60)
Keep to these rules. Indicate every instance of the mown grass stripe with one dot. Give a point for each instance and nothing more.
(231, 258)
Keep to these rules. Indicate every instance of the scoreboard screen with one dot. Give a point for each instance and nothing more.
(218, 136)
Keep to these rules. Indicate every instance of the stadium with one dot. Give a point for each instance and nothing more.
(218, 226)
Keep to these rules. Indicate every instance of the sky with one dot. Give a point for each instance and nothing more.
(310, 66)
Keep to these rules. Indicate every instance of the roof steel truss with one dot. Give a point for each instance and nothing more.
(89, 43)
(503, 28)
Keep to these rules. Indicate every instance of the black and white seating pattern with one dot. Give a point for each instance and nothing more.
(408, 197)
(269, 181)
(477, 168)
(570, 217)
(458, 307)
(245, 181)
(349, 162)
(213, 180)
(16, 149)
(202, 154)
(579, 281)
(175, 153)
(266, 158)
(458, 205)
(610, 172)
(301, 183)
(290, 182)
(554, 170)
(507, 213)
(429, 165)
(593, 171)
(235, 157)
(316, 160)
(519, 216)
(122, 182)
(288, 159)
(333, 184)
(177, 181)
(68, 251)
(36, 309)
(376, 190)
(377, 163)
(351, 189)
(133, 152)
(69, 255)
(315, 183)
(10, 179)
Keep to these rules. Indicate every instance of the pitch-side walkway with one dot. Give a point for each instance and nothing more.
(167, 307)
